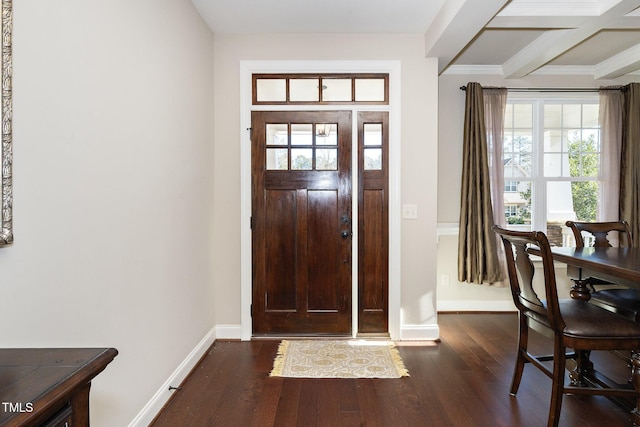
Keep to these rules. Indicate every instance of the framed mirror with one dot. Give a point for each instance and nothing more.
(6, 153)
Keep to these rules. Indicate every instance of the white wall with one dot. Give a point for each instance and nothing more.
(454, 295)
(112, 158)
(418, 147)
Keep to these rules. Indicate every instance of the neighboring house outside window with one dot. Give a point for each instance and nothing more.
(551, 164)
(510, 210)
(510, 186)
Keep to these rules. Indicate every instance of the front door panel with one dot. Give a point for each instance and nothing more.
(301, 222)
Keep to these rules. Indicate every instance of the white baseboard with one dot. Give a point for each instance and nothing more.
(419, 332)
(228, 332)
(476, 305)
(407, 333)
(153, 407)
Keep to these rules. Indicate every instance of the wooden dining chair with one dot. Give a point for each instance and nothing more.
(572, 324)
(623, 301)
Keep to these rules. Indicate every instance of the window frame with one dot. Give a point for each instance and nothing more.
(539, 182)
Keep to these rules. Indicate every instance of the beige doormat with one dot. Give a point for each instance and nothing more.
(338, 359)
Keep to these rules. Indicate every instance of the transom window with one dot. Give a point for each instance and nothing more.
(321, 89)
(551, 164)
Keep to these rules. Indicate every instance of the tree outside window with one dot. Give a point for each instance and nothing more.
(584, 161)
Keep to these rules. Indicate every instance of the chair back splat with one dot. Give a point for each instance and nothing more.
(521, 273)
(601, 231)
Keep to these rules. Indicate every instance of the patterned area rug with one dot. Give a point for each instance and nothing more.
(338, 359)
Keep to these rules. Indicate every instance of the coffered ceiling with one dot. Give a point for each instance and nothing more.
(513, 38)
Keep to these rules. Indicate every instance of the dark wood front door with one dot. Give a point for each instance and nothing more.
(301, 222)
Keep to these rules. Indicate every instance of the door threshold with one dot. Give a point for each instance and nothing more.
(301, 337)
(367, 336)
(373, 336)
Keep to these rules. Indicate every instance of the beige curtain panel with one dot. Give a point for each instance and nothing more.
(477, 248)
(611, 108)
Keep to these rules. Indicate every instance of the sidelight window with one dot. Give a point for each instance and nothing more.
(372, 146)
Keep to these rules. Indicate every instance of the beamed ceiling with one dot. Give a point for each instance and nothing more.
(513, 38)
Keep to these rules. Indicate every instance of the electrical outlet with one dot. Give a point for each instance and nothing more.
(444, 279)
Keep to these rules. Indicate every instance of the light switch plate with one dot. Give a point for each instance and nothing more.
(410, 211)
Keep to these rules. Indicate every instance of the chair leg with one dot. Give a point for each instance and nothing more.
(523, 339)
(557, 388)
(635, 379)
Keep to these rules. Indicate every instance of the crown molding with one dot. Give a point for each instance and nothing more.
(565, 70)
(474, 69)
(547, 70)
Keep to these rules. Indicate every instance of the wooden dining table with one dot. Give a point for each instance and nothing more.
(615, 265)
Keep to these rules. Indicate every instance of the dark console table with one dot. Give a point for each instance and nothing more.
(49, 386)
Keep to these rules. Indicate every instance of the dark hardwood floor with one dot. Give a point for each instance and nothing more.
(461, 381)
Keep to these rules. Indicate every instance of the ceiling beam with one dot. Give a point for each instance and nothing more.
(558, 7)
(542, 50)
(545, 22)
(458, 22)
(618, 65)
(553, 43)
(625, 23)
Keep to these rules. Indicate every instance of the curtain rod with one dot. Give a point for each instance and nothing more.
(553, 89)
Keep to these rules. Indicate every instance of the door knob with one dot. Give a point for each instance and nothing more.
(345, 234)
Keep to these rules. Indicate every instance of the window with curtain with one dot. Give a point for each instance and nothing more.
(552, 161)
